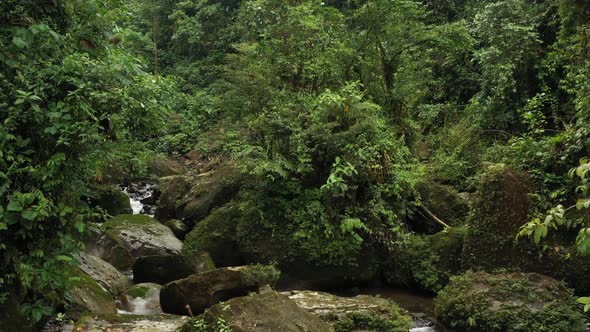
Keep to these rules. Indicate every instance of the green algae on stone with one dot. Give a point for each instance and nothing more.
(359, 313)
(508, 302)
(87, 294)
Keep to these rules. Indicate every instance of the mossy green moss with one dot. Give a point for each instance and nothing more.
(89, 295)
(111, 199)
(500, 208)
(426, 261)
(216, 234)
(514, 302)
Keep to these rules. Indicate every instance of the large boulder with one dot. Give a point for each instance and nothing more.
(500, 208)
(300, 261)
(167, 268)
(179, 228)
(88, 295)
(265, 312)
(111, 199)
(142, 235)
(216, 234)
(425, 262)
(161, 167)
(129, 323)
(200, 291)
(510, 302)
(193, 198)
(141, 299)
(102, 245)
(104, 273)
(359, 313)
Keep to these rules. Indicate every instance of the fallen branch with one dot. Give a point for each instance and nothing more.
(431, 215)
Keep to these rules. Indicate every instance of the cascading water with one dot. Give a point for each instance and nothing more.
(141, 197)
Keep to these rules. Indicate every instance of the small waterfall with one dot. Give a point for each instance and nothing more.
(141, 197)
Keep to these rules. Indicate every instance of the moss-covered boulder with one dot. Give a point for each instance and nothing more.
(111, 199)
(179, 228)
(265, 312)
(301, 260)
(426, 261)
(359, 313)
(161, 167)
(88, 295)
(142, 235)
(129, 323)
(104, 273)
(216, 234)
(170, 202)
(102, 245)
(500, 208)
(511, 302)
(141, 299)
(200, 291)
(192, 197)
(439, 200)
(163, 269)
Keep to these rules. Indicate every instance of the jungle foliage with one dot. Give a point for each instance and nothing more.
(335, 111)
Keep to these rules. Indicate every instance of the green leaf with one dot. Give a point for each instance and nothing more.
(19, 43)
(29, 215)
(3, 226)
(14, 206)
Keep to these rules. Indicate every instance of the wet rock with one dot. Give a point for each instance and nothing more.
(129, 323)
(89, 295)
(104, 273)
(266, 312)
(200, 291)
(508, 302)
(111, 199)
(142, 235)
(216, 234)
(162, 167)
(102, 245)
(193, 199)
(167, 268)
(179, 228)
(357, 313)
(142, 299)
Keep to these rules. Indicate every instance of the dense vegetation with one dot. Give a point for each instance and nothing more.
(342, 117)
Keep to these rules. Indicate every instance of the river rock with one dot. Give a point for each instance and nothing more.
(129, 323)
(266, 312)
(162, 167)
(179, 228)
(216, 234)
(104, 273)
(357, 313)
(508, 302)
(111, 199)
(167, 268)
(200, 291)
(142, 235)
(192, 199)
(102, 245)
(142, 299)
(89, 295)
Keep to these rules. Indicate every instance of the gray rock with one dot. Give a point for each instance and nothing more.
(104, 273)
(129, 323)
(167, 268)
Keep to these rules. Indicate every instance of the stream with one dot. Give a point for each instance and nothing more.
(142, 199)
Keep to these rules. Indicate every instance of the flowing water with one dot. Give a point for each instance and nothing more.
(141, 198)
